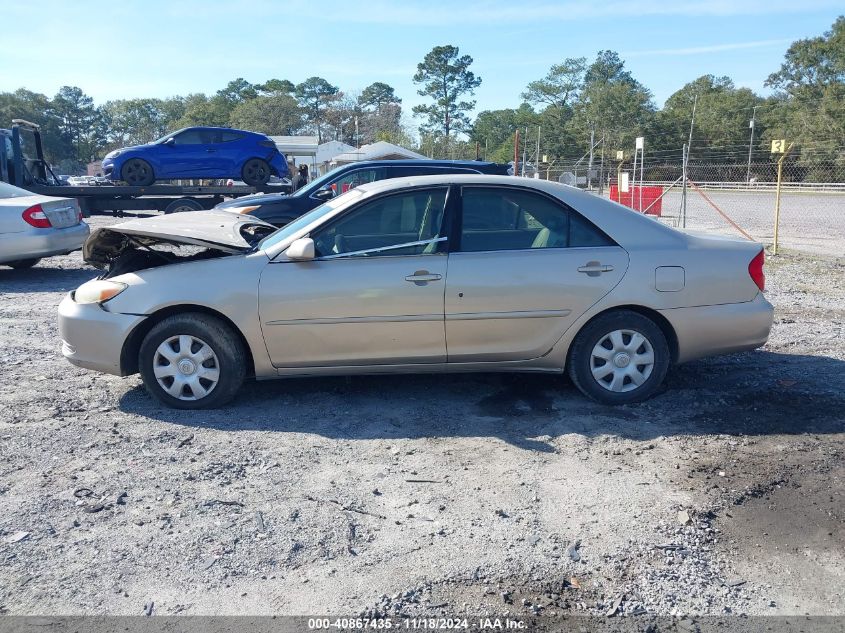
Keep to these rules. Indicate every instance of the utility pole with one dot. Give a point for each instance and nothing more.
(601, 169)
(684, 188)
(691, 125)
(537, 159)
(590, 164)
(750, 144)
(525, 150)
(687, 149)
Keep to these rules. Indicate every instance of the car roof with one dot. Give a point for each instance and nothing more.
(425, 162)
(211, 127)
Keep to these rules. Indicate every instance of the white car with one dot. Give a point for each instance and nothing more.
(33, 226)
(81, 181)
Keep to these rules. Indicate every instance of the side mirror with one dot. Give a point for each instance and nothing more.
(301, 250)
(170, 141)
(326, 193)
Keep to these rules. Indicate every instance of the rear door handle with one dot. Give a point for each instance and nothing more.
(593, 269)
(422, 277)
(210, 150)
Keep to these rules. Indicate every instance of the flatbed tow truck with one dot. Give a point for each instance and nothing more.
(34, 174)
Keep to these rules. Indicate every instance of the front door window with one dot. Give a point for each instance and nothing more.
(407, 223)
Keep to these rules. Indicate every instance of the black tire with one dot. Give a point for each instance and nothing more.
(23, 263)
(230, 359)
(182, 205)
(581, 362)
(137, 172)
(256, 172)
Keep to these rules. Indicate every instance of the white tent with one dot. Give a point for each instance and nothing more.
(381, 150)
(296, 145)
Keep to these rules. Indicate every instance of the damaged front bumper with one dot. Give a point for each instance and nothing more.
(93, 337)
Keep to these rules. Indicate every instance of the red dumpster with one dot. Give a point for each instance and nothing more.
(631, 198)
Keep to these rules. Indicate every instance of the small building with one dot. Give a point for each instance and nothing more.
(300, 149)
(326, 153)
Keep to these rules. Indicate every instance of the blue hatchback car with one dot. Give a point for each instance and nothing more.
(198, 152)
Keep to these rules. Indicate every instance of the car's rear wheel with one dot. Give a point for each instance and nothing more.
(620, 357)
(192, 361)
(24, 263)
(137, 172)
(256, 172)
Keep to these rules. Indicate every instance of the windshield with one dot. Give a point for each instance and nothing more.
(312, 216)
(316, 185)
(10, 191)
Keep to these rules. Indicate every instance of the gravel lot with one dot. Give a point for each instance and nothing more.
(431, 494)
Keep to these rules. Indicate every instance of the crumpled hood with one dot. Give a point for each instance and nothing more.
(232, 233)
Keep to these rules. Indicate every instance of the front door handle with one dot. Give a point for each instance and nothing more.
(422, 277)
(594, 269)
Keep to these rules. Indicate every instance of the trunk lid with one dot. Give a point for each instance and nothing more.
(219, 230)
(62, 212)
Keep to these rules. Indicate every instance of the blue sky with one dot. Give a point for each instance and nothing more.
(162, 48)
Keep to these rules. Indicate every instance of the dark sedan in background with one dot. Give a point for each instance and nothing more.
(279, 209)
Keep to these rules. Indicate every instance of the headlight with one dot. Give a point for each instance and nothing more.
(114, 154)
(98, 291)
(247, 210)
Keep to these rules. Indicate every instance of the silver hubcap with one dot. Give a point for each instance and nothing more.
(186, 367)
(622, 360)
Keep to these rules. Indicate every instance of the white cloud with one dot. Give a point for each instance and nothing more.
(699, 50)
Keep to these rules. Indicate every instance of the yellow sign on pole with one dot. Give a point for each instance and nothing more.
(785, 152)
(779, 146)
(620, 155)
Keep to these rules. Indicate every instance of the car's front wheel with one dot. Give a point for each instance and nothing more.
(137, 172)
(192, 361)
(256, 172)
(620, 357)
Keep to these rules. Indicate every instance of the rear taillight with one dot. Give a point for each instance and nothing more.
(755, 269)
(36, 217)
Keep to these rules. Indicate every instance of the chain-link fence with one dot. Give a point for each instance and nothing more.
(734, 198)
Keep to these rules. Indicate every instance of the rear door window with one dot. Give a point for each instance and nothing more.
(502, 218)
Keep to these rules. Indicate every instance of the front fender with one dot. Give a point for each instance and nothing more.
(227, 285)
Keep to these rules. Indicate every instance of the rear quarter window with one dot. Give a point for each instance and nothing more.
(584, 233)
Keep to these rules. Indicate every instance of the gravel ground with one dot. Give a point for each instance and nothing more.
(428, 494)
